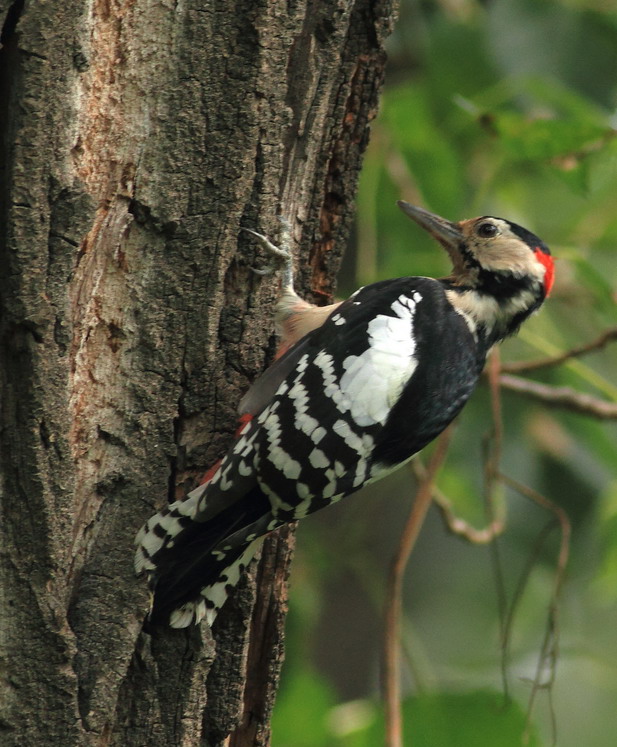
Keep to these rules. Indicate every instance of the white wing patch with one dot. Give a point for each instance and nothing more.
(373, 381)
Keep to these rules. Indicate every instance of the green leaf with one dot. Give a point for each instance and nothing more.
(544, 139)
(606, 580)
(299, 718)
(475, 719)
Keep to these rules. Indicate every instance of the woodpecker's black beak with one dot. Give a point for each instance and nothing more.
(447, 233)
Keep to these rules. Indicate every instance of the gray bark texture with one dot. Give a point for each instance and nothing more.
(137, 137)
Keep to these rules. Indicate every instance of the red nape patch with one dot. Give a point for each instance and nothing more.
(549, 265)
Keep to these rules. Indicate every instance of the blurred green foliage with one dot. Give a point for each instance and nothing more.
(479, 718)
(504, 108)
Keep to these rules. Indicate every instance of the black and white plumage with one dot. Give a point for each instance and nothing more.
(359, 394)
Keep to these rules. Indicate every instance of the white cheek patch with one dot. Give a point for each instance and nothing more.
(374, 380)
(507, 254)
(475, 308)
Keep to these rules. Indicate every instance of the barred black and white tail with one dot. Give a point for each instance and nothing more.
(192, 564)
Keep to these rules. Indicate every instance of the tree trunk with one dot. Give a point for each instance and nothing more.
(137, 138)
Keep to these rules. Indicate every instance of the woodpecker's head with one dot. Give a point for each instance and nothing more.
(501, 272)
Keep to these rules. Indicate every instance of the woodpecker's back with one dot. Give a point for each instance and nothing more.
(355, 397)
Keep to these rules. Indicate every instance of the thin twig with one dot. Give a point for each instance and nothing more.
(524, 366)
(548, 652)
(496, 523)
(492, 461)
(561, 396)
(454, 523)
(506, 633)
(494, 445)
(392, 617)
(518, 592)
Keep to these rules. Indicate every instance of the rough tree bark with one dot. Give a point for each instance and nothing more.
(137, 138)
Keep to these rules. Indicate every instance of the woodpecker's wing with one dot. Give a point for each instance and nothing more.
(380, 378)
(264, 387)
(366, 393)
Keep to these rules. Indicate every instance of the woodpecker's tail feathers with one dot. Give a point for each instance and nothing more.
(193, 559)
(159, 531)
(211, 597)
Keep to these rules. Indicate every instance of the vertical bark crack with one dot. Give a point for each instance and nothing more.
(11, 20)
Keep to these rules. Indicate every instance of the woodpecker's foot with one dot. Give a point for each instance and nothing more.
(281, 254)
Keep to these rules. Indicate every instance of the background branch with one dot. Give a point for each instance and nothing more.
(523, 366)
(561, 396)
(547, 661)
(455, 524)
(392, 625)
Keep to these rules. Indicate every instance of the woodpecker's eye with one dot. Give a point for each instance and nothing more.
(487, 230)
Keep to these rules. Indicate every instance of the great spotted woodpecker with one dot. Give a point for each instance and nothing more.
(363, 386)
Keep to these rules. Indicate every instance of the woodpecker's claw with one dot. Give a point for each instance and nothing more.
(265, 242)
(281, 254)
